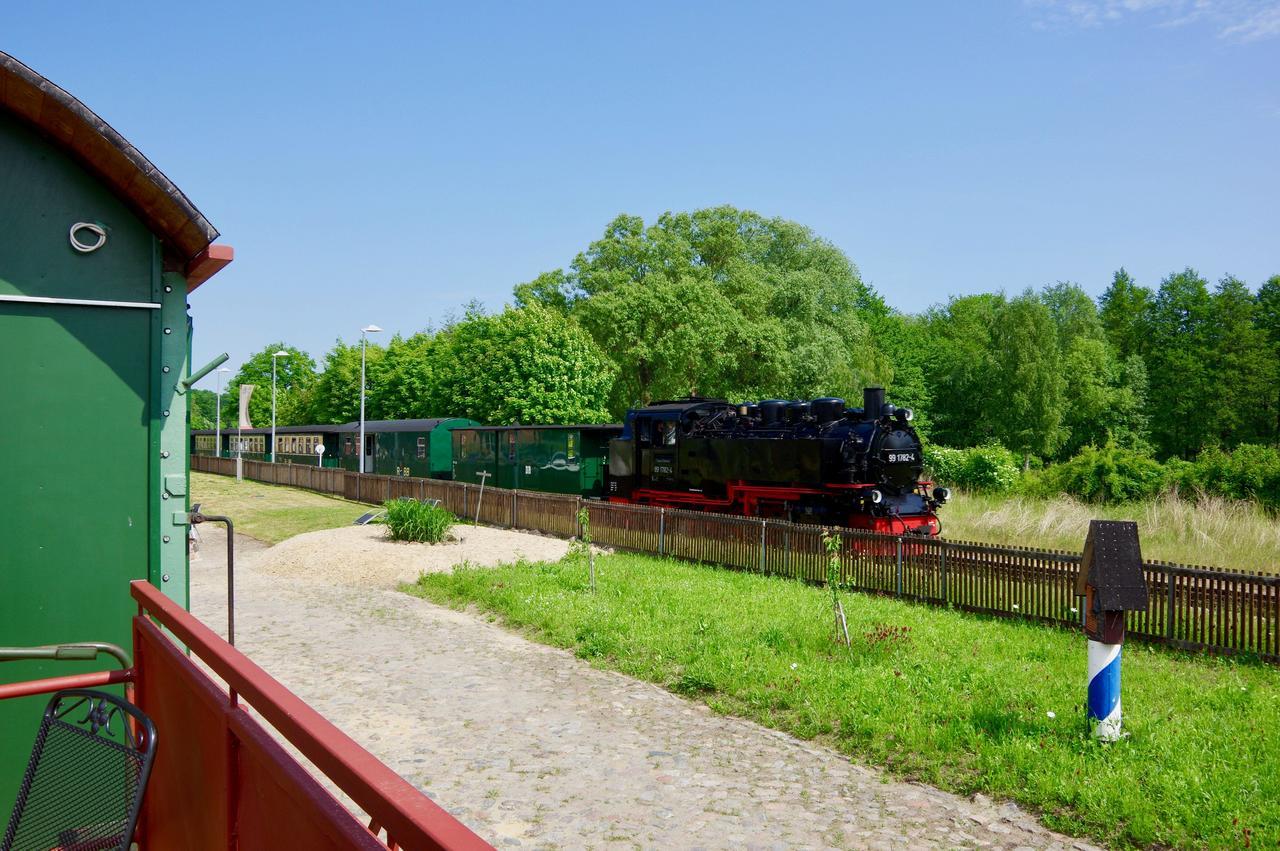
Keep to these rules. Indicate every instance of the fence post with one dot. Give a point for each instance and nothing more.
(577, 517)
(1168, 612)
(899, 582)
(513, 507)
(786, 550)
(662, 531)
(763, 525)
(945, 599)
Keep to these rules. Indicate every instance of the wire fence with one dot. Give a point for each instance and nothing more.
(1193, 608)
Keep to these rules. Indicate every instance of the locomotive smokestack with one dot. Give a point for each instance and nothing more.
(872, 402)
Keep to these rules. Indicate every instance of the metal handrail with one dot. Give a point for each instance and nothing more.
(414, 819)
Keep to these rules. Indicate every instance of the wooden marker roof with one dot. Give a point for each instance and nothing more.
(99, 148)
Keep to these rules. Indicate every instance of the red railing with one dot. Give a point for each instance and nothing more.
(221, 780)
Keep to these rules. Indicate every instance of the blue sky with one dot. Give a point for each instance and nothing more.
(388, 162)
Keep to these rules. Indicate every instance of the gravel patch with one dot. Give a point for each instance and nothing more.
(532, 747)
(364, 556)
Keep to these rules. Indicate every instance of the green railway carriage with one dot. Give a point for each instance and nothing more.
(98, 252)
(294, 444)
(566, 459)
(403, 447)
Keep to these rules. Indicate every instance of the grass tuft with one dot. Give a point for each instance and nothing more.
(410, 520)
(961, 701)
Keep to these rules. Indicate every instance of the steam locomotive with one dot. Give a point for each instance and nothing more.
(809, 462)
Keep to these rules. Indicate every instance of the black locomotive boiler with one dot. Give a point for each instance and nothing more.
(812, 462)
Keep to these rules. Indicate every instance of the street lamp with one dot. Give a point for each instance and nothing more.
(217, 429)
(280, 354)
(371, 329)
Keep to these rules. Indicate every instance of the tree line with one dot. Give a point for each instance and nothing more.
(727, 303)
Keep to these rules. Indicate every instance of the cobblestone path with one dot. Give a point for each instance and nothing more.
(532, 747)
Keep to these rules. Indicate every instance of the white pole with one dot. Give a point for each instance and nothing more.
(360, 447)
(280, 354)
(1103, 697)
(369, 329)
(273, 409)
(217, 414)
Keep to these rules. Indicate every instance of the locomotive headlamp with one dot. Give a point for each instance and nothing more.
(876, 496)
(942, 494)
(905, 415)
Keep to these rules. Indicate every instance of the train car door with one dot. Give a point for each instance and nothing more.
(370, 445)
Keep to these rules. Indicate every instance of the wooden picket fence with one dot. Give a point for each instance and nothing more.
(1193, 608)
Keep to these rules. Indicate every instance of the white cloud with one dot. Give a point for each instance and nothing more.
(1234, 20)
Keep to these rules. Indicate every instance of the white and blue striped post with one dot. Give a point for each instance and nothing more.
(1104, 690)
(1111, 582)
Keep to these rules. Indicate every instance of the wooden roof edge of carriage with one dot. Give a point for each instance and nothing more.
(99, 148)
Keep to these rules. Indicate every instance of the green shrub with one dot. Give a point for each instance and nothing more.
(943, 464)
(1110, 474)
(981, 468)
(410, 520)
(1247, 472)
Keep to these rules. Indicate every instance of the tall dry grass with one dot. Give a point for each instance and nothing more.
(1204, 530)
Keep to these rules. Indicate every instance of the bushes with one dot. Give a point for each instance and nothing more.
(410, 520)
(1113, 474)
(1247, 472)
(1110, 474)
(989, 468)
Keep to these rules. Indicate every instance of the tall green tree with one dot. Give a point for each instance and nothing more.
(1028, 389)
(1268, 319)
(295, 381)
(405, 384)
(1103, 397)
(1125, 314)
(1242, 363)
(529, 365)
(959, 340)
(1183, 401)
(336, 397)
(719, 302)
(201, 407)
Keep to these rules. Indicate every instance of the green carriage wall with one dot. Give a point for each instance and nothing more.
(93, 451)
(550, 459)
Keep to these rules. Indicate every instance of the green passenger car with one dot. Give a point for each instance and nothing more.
(98, 252)
(567, 459)
(294, 444)
(404, 447)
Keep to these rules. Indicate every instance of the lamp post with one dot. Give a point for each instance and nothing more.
(370, 329)
(217, 415)
(280, 354)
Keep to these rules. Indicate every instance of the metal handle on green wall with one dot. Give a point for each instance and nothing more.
(186, 384)
(81, 651)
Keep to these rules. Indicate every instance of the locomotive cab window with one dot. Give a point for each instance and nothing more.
(422, 448)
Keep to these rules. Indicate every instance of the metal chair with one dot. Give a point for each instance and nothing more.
(88, 770)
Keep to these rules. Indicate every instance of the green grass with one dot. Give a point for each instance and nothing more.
(271, 513)
(410, 520)
(1206, 531)
(947, 698)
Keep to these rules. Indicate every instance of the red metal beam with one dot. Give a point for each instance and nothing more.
(208, 263)
(96, 679)
(414, 819)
